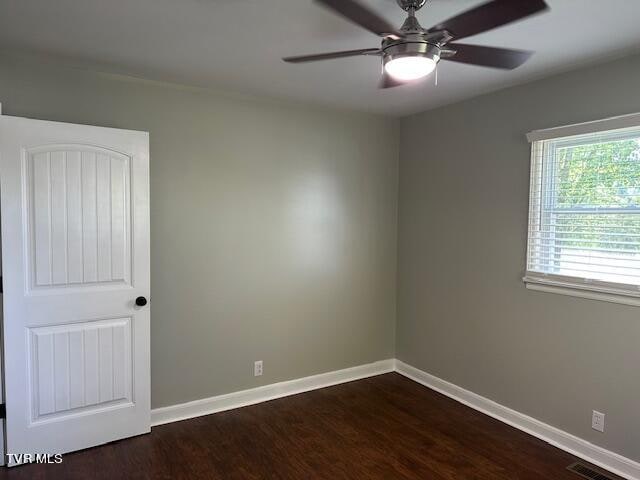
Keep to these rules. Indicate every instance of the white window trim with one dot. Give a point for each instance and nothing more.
(592, 290)
(613, 123)
(576, 287)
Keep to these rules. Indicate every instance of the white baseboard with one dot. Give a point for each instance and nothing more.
(243, 398)
(599, 456)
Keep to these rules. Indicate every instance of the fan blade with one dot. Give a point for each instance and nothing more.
(487, 56)
(387, 81)
(329, 56)
(361, 15)
(489, 15)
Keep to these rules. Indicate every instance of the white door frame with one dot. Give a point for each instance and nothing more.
(2, 423)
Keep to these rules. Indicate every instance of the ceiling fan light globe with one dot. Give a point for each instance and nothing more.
(410, 68)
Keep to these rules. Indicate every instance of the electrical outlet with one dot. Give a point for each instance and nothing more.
(257, 368)
(597, 421)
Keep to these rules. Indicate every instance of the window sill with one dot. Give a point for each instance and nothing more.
(582, 290)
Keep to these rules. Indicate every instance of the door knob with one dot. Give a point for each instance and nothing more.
(141, 301)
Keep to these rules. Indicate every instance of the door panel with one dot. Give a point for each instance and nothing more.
(77, 201)
(75, 228)
(80, 368)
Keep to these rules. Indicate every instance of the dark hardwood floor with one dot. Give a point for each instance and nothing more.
(384, 427)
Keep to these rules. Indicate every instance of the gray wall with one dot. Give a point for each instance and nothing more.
(463, 312)
(273, 226)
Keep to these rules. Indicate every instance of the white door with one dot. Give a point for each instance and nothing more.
(75, 257)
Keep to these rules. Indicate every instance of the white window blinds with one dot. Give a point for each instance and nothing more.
(584, 218)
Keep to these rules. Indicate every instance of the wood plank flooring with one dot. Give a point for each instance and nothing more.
(384, 427)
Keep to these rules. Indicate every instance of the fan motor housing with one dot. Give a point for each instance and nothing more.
(407, 5)
(411, 49)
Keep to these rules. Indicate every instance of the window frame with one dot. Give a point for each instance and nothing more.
(619, 128)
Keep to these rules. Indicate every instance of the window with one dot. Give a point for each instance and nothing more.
(584, 218)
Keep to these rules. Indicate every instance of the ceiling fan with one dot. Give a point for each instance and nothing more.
(412, 52)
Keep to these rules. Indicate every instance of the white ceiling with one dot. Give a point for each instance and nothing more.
(237, 45)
